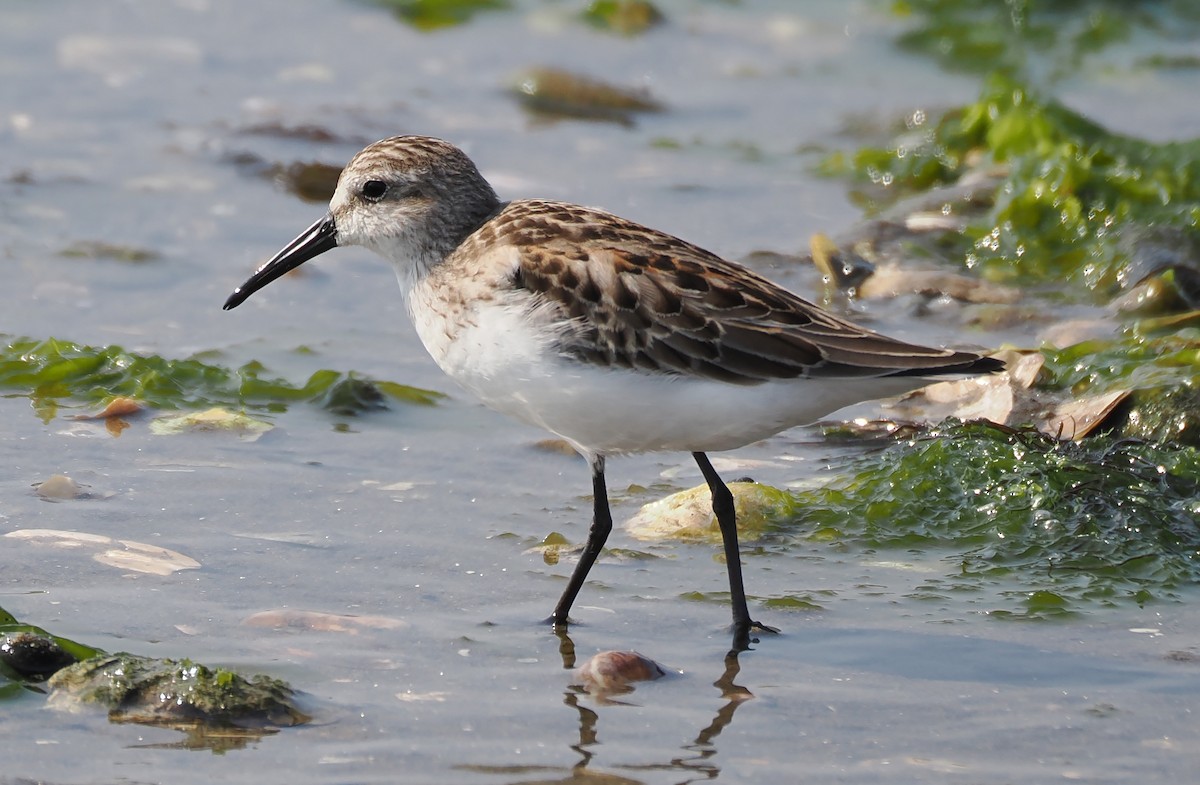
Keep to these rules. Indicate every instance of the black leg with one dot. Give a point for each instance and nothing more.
(601, 526)
(723, 508)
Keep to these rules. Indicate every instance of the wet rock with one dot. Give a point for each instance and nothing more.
(58, 487)
(174, 692)
(145, 558)
(688, 514)
(917, 225)
(217, 419)
(305, 132)
(31, 656)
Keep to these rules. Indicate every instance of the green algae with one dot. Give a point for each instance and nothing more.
(1053, 527)
(981, 36)
(1071, 188)
(427, 15)
(624, 17)
(1076, 200)
(1071, 211)
(52, 371)
(1160, 366)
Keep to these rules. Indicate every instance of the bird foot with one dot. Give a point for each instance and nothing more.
(743, 637)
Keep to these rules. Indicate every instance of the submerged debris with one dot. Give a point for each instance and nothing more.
(99, 249)
(119, 406)
(556, 94)
(318, 621)
(311, 181)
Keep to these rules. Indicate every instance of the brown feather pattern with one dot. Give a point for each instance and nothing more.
(646, 300)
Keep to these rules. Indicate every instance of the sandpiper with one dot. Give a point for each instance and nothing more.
(615, 337)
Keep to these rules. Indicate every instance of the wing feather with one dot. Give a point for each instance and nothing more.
(644, 299)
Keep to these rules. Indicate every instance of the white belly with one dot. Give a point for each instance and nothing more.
(605, 411)
(508, 360)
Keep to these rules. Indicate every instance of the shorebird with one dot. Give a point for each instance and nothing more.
(615, 337)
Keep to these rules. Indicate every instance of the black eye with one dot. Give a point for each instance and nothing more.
(374, 189)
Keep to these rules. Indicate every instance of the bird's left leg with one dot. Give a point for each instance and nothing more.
(722, 502)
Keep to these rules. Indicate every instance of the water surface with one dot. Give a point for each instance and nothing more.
(132, 123)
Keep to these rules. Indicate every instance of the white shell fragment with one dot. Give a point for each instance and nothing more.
(127, 555)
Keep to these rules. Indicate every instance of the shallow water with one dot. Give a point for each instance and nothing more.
(121, 124)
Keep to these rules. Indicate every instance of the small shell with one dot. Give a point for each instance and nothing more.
(613, 671)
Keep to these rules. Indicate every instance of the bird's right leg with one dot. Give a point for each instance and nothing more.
(601, 527)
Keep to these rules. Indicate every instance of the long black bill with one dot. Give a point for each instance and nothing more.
(313, 241)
